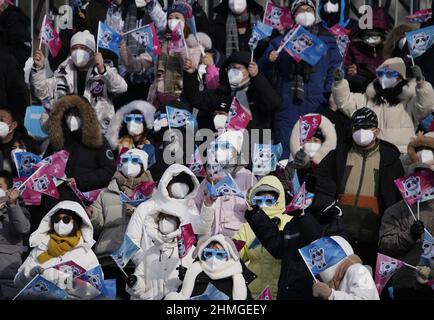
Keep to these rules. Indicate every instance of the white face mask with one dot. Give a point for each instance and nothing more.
(135, 128)
(167, 225)
(220, 121)
(63, 229)
(237, 6)
(179, 190)
(425, 156)
(2, 193)
(311, 148)
(15, 151)
(228, 156)
(373, 40)
(388, 83)
(363, 137)
(329, 7)
(73, 123)
(80, 57)
(4, 129)
(305, 19)
(201, 70)
(235, 77)
(172, 23)
(215, 264)
(140, 3)
(131, 170)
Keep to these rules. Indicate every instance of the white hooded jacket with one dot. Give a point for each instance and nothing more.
(81, 254)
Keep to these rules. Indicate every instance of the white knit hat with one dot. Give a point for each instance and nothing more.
(235, 138)
(141, 154)
(85, 38)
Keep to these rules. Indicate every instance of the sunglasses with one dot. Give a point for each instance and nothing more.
(209, 253)
(386, 72)
(66, 219)
(264, 201)
(128, 158)
(134, 118)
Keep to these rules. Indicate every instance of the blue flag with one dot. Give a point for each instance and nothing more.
(32, 121)
(24, 161)
(304, 45)
(265, 158)
(125, 252)
(420, 40)
(179, 117)
(427, 249)
(322, 254)
(95, 277)
(225, 187)
(260, 31)
(40, 288)
(146, 38)
(108, 38)
(211, 293)
(150, 150)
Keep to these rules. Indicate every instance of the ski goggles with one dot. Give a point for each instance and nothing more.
(209, 253)
(134, 118)
(130, 158)
(263, 201)
(66, 219)
(387, 72)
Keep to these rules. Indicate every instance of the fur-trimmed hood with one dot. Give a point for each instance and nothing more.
(145, 108)
(91, 135)
(425, 141)
(394, 36)
(330, 139)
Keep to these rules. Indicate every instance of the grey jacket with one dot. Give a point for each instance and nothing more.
(396, 240)
(14, 226)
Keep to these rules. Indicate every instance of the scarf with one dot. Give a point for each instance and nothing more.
(127, 185)
(342, 269)
(58, 246)
(232, 44)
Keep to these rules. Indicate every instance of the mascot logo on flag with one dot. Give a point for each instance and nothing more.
(181, 246)
(47, 34)
(95, 280)
(40, 287)
(412, 187)
(420, 42)
(388, 268)
(274, 17)
(318, 259)
(428, 195)
(41, 184)
(428, 249)
(106, 38)
(179, 117)
(142, 38)
(196, 167)
(26, 164)
(226, 190)
(72, 270)
(301, 43)
(305, 126)
(264, 158)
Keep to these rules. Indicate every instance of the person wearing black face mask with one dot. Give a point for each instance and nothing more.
(73, 126)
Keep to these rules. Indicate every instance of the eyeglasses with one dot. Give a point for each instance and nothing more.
(134, 117)
(130, 158)
(66, 219)
(387, 72)
(209, 253)
(264, 201)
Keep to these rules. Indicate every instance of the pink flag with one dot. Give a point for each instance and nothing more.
(89, 196)
(42, 182)
(30, 197)
(55, 164)
(155, 43)
(186, 240)
(265, 295)
(196, 164)
(50, 37)
(385, 268)
(177, 41)
(418, 186)
(71, 268)
(308, 126)
(298, 201)
(342, 38)
(277, 17)
(239, 244)
(238, 117)
(144, 190)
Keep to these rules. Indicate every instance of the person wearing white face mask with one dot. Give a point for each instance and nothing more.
(362, 175)
(421, 151)
(218, 264)
(83, 73)
(64, 234)
(8, 133)
(399, 102)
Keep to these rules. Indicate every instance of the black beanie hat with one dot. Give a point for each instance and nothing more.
(364, 118)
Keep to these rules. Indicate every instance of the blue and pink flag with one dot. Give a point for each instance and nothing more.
(125, 252)
(42, 182)
(211, 293)
(186, 240)
(303, 45)
(420, 16)
(95, 277)
(24, 162)
(178, 118)
(50, 37)
(40, 288)
(55, 164)
(265, 294)
(88, 197)
(225, 187)
(308, 126)
(298, 202)
(238, 117)
(342, 36)
(108, 38)
(277, 17)
(385, 268)
(196, 164)
(70, 267)
(418, 186)
(322, 254)
(29, 196)
(265, 158)
(147, 39)
(420, 40)
(427, 249)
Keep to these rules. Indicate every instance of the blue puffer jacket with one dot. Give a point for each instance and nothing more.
(319, 82)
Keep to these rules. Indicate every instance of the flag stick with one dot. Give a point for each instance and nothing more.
(124, 272)
(43, 24)
(168, 121)
(418, 212)
(411, 211)
(409, 265)
(25, 287)
(97, 37)
(412, 59)
(132, 30)
(251, 56)
(25, 182)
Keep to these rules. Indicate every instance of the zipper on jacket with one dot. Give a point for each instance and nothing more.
(365, 156)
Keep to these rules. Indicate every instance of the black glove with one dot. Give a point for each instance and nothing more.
(339, 74)
(301, 160)
(417, 229)
(131, 280)
(416, 71)
(181, 272)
